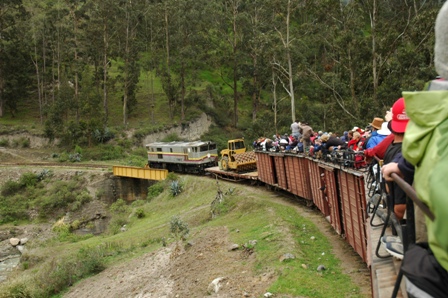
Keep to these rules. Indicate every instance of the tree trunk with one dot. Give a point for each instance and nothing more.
(105, 65)
(39, 87)
(235, 68)
(290, 74)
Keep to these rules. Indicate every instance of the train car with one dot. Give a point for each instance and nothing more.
(183, 157)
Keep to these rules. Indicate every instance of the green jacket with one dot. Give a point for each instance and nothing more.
(425, 145)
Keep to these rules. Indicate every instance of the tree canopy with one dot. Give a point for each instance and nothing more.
(264, 63)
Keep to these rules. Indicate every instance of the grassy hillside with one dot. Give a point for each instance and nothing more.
(247, 213)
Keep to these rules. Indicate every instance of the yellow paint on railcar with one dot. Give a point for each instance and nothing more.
(140, 173)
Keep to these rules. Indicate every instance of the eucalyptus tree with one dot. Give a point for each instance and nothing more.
(187, 42)
(283, 25)
(102, 33)
(14, 63)
(131, 13)
(164, 15)
(77, 19)
(37, 35)
(230, 19)
(256, 44)
(335, 60)
(401, 36)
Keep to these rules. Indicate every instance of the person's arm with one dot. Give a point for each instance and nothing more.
(390, 168)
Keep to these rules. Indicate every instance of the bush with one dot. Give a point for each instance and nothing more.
(154, 190)
(13, 209)
(21, 142)
(171, 138)
(175, 188)
(178, 228)
(172, 176)
(4, 143)
(140, 213)
(10, 188)
(116, 223)
(28, 180)
(119, 206)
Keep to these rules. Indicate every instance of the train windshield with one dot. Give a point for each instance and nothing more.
(207, 147)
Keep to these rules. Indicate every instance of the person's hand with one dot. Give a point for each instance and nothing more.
(388, 169)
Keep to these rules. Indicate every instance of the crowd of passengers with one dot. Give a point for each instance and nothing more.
(303, 139)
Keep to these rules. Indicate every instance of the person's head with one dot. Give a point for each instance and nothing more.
(399, 118)
(376, 123)
(324, 138)
(384, 131)
(388, 115)
(356, 135)
(441, 44)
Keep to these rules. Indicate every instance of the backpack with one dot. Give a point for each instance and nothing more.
(425, 276)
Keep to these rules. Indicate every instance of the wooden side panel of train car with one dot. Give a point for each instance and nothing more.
(279, 163)
(329, 176)
(352, 193)
(297, 176)
(266, 168)
(317, 186)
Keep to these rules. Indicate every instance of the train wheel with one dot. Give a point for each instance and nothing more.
(225, 163)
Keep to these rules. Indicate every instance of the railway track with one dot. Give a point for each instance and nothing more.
(54, 165)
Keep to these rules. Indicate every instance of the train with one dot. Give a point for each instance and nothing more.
(184, 157)
(336, 186)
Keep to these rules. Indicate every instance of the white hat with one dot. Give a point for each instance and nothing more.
(384, 130)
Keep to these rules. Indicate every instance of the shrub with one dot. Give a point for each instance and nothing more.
(119, 206)
(74, 157)
(178, 228)
(78, 150)
(140, 213)
(10, 188)
(21, 142)
(13, 209)
(172, 176)
(4, 143)
(28, 180)
(154, 190)
(171, 138)
(175, 188)
(116, 223)
(44, 174)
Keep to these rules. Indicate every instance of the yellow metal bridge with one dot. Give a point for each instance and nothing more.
(140, 173)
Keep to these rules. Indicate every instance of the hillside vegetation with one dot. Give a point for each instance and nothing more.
(196, 233)
(83, 71)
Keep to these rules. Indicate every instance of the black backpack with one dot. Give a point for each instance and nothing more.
(423, 272)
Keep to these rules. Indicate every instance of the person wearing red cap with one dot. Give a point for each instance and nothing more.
(398, 126)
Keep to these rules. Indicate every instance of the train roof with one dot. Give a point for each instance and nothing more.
(179, 144)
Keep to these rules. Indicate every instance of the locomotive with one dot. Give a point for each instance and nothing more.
(182, 157)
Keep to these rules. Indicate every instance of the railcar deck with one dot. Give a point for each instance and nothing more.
(383, 270)
(232, 175)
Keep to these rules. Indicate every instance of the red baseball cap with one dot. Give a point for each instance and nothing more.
(399, 118)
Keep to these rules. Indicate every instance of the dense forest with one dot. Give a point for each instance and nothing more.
(248, 63)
